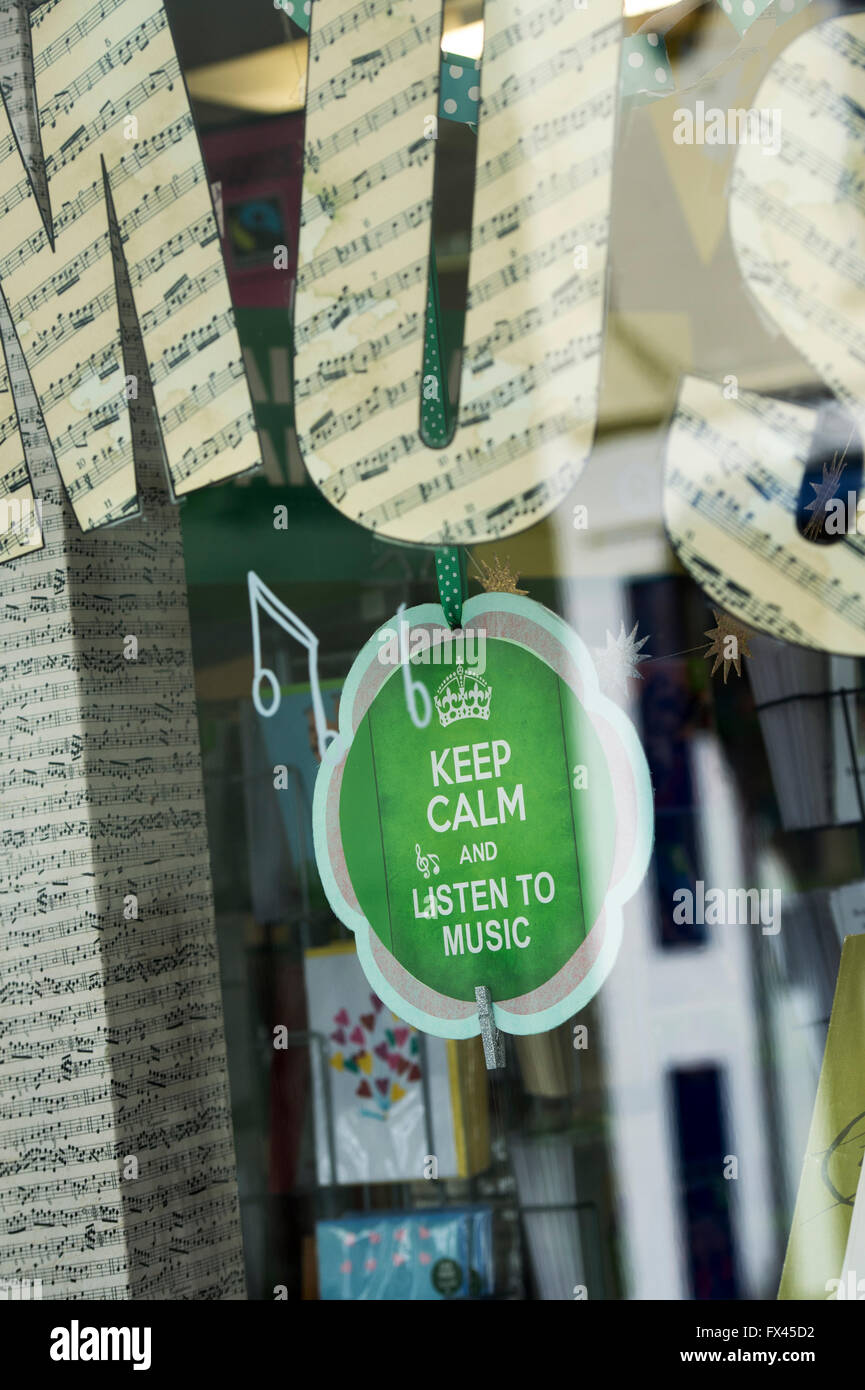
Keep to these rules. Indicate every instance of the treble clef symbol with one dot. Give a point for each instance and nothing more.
(424, 861)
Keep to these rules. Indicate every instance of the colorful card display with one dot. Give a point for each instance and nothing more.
(387, 1101)
(408, 1256)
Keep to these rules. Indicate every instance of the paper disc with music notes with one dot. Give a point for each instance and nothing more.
(797, 203)
(732, 485)
(531, 363)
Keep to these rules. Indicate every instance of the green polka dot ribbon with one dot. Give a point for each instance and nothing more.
(459, 89)
(459, 96)
(435, 423)
(298, 10)
(742, 13)
(435, 432)
(450, 572)
(645, 67)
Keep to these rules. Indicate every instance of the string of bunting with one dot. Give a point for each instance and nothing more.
(645, 68)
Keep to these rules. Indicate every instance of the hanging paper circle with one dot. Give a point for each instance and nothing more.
(367, 367)
(482, 817)
(733, 476)
(796, 222)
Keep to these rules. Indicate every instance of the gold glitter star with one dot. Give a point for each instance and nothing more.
(825, 491)
(728, 645)
(497, 578)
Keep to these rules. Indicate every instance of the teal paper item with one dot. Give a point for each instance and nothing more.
(785, 9)
(298, 10)
(460, 89)
(651, 76)
(460, 86)
(645, 67)
(742, 13)
(406, 1256)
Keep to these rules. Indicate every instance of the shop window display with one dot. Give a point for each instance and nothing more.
(432, 789)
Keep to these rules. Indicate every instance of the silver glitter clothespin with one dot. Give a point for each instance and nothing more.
(492, 1039)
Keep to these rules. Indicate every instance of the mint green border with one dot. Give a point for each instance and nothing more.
(594, 700)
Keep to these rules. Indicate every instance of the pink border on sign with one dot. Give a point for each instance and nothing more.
(334, 839)
(414, 991)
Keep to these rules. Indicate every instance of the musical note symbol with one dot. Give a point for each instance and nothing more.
(413, 689)
(260, 596)
(424, 861)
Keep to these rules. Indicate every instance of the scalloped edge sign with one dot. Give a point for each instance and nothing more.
(536, 630)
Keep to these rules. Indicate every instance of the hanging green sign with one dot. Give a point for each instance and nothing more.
(482, 817)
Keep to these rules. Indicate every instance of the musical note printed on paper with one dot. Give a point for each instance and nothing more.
(117, 1165)
(734, 471)
(115, 139)
(528, 401)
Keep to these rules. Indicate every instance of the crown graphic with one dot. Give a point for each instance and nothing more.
(463, 697)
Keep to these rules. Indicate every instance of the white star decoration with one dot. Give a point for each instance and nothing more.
(617, 663)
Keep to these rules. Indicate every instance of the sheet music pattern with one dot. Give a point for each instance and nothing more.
(97, 68)
(733, 476)
(549, 82)
(797, 220)
(111, 1037)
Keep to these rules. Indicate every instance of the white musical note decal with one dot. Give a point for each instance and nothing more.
(261, 597)
(413, 689)
(424, 861)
